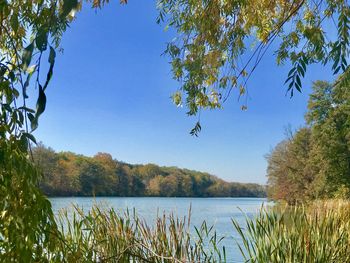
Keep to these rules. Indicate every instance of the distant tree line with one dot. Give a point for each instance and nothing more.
(314, 162)
(69, 174)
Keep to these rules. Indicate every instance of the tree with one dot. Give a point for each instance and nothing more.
(47, 159)
(315, 161)
(289, 173)
(153, 188)
(169, 186)
(185, 187)
(70, 174)
(329, 116)
(210, 54)
(28, 29)
(92, 179)
(109, 165)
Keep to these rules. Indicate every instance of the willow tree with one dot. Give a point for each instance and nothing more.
(212, 55)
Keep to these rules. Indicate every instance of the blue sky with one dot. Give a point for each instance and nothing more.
(110, 93)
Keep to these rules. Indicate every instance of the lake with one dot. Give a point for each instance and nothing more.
(216, 211)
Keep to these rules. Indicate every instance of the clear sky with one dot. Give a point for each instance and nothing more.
(110, 93)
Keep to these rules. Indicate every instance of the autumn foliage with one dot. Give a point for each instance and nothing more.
(67, 174)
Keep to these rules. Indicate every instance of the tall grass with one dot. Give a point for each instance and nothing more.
(106, 236)
(319, 233)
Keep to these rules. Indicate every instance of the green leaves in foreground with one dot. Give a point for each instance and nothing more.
(27, 225)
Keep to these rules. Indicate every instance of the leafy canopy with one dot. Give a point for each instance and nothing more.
(210, 55)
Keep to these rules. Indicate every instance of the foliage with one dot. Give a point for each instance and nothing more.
(319, 233)
(27, 225)
(67, 174)
(329, 117)
(210, 54)
(289, 172)
(29, 32)
(315, 161)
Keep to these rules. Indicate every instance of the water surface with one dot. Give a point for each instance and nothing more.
(216, 211)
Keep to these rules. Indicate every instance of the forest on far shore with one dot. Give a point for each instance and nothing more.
(70, 174)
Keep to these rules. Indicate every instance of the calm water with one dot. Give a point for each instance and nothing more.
(216, 211)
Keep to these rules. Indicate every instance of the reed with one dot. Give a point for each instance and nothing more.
(103, 235)
(319, 232)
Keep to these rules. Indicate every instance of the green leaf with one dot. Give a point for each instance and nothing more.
(41, 103)
(336, 70)
(301, 70)
(68, 6)
(14, 22)
(24, 142)
(303, 62)
(41, 40)
(30, 137)
(33, 122)
(52, 57)
(196, 130)
(30, 116)
(26, 83)
(27, 55)
(40, 108)
(291, 85)
(298, 83)
(26, 109)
